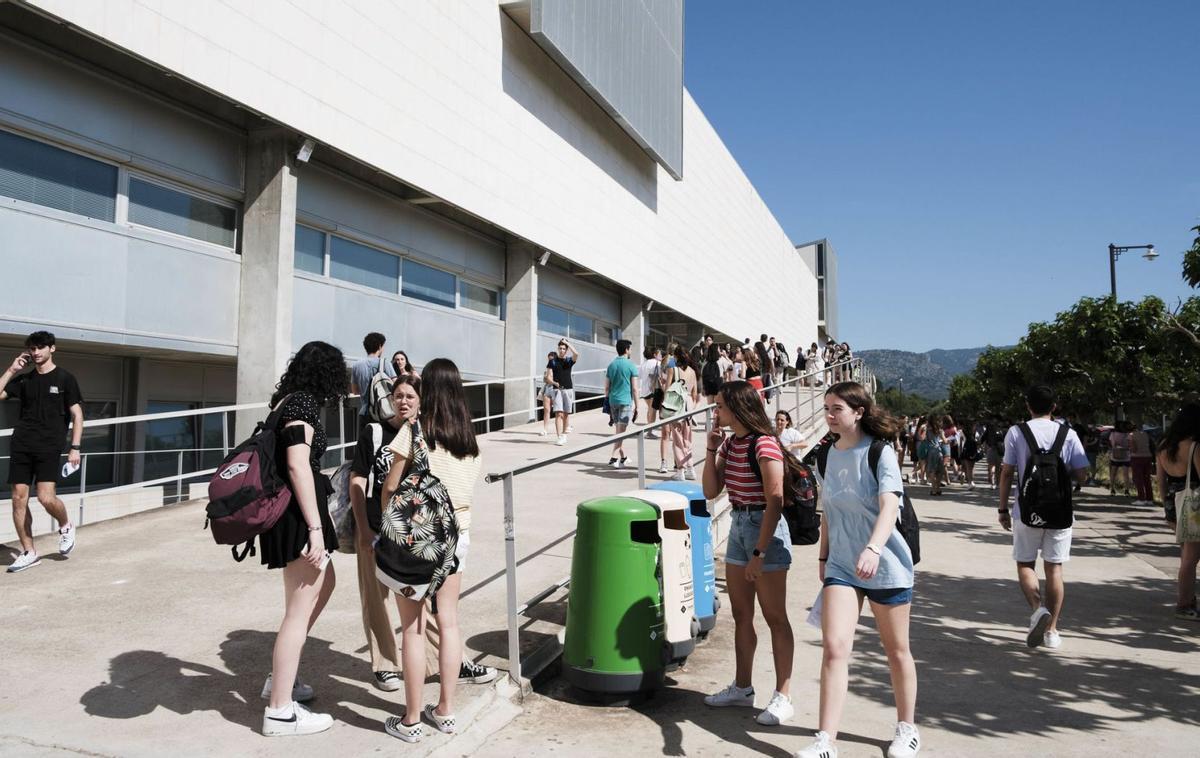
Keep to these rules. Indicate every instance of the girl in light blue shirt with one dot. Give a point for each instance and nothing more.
(863, 555)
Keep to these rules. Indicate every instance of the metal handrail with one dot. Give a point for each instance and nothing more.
(855, 366)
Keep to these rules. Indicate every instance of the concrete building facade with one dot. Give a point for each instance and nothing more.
(194, 190)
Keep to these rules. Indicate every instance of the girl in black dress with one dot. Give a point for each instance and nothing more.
(300, 542)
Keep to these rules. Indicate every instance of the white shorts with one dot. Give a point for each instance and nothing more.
(461, 550)
(1054, 544)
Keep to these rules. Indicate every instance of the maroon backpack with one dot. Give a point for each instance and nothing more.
(247, 495)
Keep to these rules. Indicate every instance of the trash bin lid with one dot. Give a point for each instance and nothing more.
(632, 508)
(690, 490)
(662, 500)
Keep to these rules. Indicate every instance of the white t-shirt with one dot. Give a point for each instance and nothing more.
(739, 371)
(1016, 451)
(648, 377)
(724, 364)
(789, 437)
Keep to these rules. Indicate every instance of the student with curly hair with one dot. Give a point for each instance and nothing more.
(301, 541)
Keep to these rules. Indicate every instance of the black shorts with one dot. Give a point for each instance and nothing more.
(25, 467)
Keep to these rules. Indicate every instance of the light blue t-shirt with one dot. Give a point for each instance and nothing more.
(363, 371)
(620, 371)
(850, 499)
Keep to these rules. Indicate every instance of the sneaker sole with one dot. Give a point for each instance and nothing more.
(297, 732)
(1037, 635)
(65, 553)
(11, 570)
(388, 687)
(729, 705)
(402, 735)
(481, 679)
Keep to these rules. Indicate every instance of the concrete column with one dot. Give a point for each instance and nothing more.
(634, 322)
(520, 328)
(268, 250)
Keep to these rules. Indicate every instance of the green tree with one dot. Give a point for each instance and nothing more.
(1191, 261)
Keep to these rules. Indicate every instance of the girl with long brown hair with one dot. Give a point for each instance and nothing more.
(758, 552)
(862, 555)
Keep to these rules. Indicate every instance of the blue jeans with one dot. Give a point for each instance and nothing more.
(744, 528)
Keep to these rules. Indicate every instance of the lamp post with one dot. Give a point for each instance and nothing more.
(1114, 252)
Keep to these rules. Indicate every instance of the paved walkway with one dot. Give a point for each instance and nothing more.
(1125, 682)
(150, 641)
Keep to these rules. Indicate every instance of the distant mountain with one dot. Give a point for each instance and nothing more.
(927, 374)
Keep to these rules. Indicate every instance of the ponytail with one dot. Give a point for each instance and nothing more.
(876, 421)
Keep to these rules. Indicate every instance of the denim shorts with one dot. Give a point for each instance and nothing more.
(620, 414)
(744, 528)
(886, 596)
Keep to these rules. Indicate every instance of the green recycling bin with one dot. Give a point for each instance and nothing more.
(615, 641)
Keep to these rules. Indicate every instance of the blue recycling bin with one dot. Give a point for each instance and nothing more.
(704, 573)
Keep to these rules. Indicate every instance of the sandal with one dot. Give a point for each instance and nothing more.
(1187, 614)
(443, 723)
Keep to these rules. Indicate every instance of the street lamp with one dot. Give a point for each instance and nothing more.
(1114, 252)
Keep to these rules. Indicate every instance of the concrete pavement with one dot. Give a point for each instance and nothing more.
(150, 640)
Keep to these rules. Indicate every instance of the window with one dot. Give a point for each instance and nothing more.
(478, 298)
(39, 173)
(581, 328)
(551, 319)
(310, 250)
(428, 284)
(608, 335)
(359, 264)
(177, 212)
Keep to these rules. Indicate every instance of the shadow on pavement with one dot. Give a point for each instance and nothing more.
(140, 681)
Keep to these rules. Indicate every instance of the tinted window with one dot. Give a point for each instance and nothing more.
(310, 250)
(428, 284)
(180, 213)
(478, 298)
(359, 264)
(38, 173)
(551, 319)
(581, 328)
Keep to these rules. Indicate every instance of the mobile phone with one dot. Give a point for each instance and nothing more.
(325, 561)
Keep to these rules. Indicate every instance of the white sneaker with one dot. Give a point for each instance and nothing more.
(612, 463)
(396, 727)
(822, 747)
(444, 724)
(906, 743)
(732, 695)
(292, 720)
(678, 475)
(777, 711)
(570, 429)
(543, 433)
(662, 467)
(301, 692)
(1053, 640)
(1037, 627)
(27, 559)
(690, 473)
(562, 440)
(66, 540)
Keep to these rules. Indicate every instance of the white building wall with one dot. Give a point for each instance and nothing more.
(456, 99)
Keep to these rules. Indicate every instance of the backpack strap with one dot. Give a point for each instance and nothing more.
(823, 457)
(1060, 439)
(873, 456)
(752, 454)
(249, 550)
(277, 412)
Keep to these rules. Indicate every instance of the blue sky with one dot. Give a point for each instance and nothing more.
(969, 161)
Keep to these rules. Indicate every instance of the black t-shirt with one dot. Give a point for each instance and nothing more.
(45, 414)
(368, 460)
(560, 368)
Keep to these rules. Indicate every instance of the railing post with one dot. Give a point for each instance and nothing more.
(642, 459)
(83, 486)
(342, 427)
(224, 434)
(510, 563)
(487, 407)
(179, 478)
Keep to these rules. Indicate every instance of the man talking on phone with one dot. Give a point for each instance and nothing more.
(50, 398)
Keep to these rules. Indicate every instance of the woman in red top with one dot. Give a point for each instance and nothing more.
(758, 553)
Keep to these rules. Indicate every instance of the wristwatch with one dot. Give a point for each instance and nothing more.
(74, 447)
(757, 553)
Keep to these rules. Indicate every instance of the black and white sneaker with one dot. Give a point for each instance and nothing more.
(445, 724)
(27, 559)
(388, 681)
(475, 673)
(906, 743)
(822, 747)
(396, 727)
(293, 720)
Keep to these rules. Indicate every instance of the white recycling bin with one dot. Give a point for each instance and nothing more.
(674, 570)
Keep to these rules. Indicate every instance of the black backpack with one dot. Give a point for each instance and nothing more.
(906, 523)
(1045, 493)
(711, 374)
(799, 495)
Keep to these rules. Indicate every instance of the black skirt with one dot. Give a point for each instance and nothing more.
(286, 541)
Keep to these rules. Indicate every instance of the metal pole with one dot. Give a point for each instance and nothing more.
(1112, 269)
(487, 406)
(83, 486)
(224, 433)
(642, 460)
(342, 427)
(510, 562)
(179, 478)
